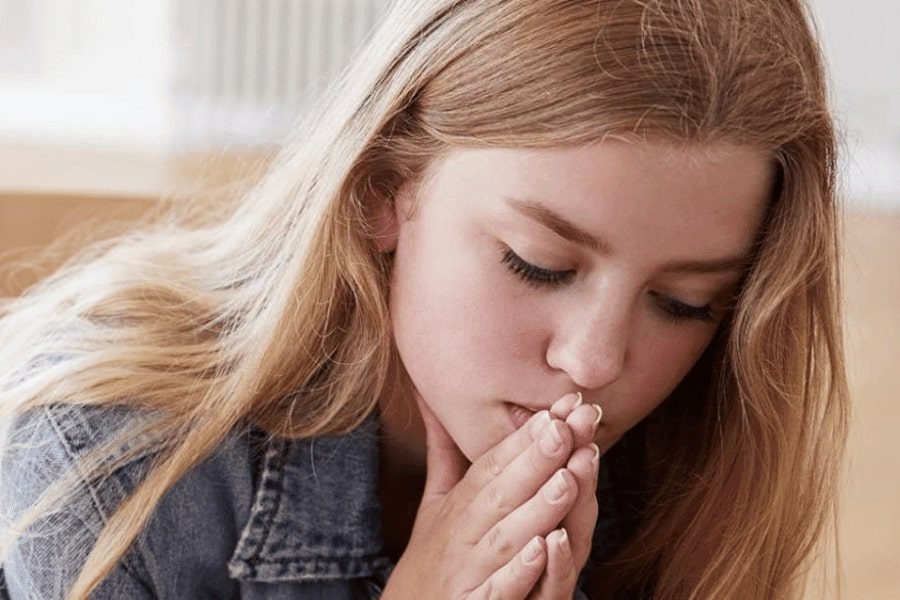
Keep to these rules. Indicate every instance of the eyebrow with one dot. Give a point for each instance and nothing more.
(545, 216)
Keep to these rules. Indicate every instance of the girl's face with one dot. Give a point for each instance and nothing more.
(528, 274)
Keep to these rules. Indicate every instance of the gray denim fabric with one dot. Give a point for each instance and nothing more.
(258, 519)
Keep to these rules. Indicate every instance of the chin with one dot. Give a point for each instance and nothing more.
(474, 446)
(472, 452)
(476, 432)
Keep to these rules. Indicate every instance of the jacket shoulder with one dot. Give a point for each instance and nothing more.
(42, 446)
(182, 551)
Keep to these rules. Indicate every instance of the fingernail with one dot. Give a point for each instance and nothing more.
(561, 540)
(541, 420)
(551, 439)
(532, 550)
(557, 487)
(566, 404)
(599, 414)
(578, 401)
(595, 459)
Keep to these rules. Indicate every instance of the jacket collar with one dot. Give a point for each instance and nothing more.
(316, 512)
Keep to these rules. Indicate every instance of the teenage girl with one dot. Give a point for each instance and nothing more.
(518, 240)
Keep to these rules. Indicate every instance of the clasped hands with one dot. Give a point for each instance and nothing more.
(479, 525)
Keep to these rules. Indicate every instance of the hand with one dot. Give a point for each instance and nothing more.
(569, 547)
(474, 522)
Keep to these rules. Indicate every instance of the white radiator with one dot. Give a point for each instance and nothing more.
(243, 69)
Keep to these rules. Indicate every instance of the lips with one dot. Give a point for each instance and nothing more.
(519, 414)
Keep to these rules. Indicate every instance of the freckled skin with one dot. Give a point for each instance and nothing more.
(472, 334)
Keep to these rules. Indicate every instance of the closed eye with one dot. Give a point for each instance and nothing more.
(542, 278)
(674, 310)
(534, 275)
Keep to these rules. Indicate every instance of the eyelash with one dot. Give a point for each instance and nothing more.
(540, 278)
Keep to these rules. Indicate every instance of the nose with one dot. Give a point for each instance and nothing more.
(591, 345)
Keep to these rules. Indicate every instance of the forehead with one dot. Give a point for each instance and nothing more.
(685, 200)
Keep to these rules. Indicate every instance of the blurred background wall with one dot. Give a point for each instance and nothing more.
(106, 106)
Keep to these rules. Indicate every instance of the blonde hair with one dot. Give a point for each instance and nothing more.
(213, 324)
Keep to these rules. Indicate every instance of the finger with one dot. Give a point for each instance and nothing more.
(445, 463)
(565, 405)
(493, 462)
(518, 485)
(582, 518)
(559, 578)
(583, 421)
(518, 577)
(541, 514)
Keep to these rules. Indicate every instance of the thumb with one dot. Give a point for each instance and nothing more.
(445, 463)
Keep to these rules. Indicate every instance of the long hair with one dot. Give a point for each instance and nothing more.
(275, 312)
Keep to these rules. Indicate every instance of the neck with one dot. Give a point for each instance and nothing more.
(402, 469)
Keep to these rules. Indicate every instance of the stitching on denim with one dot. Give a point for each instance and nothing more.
(251, 543)
(134, 560)
(64, 442)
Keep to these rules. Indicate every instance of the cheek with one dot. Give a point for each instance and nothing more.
(671, 351)
(455, 329)
(662, 363)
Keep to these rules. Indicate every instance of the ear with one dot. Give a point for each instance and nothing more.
(385, 226)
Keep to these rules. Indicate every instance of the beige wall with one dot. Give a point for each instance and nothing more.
(30, 222)
(870, 525)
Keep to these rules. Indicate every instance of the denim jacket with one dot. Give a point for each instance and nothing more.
(259, 518)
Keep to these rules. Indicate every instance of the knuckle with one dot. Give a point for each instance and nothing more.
(498, 499)
(487, 591)
(498, 542)
(491, 592)
(491, 465)
(519, 569)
